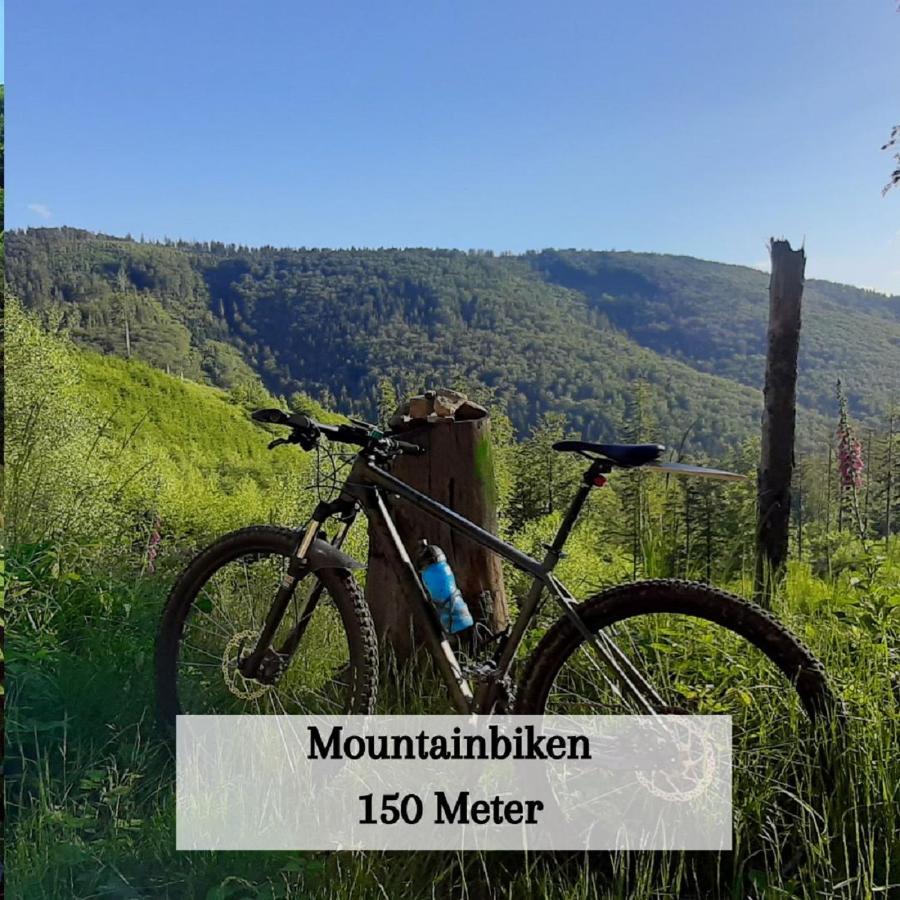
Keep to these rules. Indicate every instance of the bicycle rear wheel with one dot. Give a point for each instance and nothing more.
(708, 652)
(705, 651)
(215, 613)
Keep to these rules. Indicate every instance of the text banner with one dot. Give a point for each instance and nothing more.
(454, 782)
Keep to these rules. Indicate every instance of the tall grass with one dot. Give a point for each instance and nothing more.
(90, 793)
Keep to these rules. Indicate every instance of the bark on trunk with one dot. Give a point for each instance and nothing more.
(779, 415)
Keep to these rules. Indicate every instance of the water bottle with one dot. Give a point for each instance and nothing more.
(439, 581)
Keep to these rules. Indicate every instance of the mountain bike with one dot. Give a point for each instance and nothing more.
(272, 620)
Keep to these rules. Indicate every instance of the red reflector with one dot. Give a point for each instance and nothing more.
(599, 481)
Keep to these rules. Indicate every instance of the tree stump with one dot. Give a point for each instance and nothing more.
(779, 416)
(457, 471)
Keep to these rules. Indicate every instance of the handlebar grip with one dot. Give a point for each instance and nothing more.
(298, 420)
(272, 416)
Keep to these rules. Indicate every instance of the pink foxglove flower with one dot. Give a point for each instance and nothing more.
(850, 451)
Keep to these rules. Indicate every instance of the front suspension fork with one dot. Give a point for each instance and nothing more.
(249, 665)
(292, 641)
(296, 571)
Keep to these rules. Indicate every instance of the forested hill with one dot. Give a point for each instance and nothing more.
(565, 331)
(714, 316)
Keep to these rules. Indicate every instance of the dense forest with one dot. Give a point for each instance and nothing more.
(571, 332)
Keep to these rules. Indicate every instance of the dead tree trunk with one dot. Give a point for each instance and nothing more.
(457, 471)
(889, 488)
(779, 416)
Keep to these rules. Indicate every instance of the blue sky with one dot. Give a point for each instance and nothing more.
(699, 128)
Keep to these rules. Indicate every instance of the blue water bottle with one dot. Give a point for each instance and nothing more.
(439, 581)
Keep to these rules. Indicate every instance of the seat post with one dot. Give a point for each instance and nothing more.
(597, 469)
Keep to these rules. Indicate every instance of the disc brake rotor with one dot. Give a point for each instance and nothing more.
(695, 772)
(237, 684)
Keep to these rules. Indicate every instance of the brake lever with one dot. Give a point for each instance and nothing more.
(277, 441)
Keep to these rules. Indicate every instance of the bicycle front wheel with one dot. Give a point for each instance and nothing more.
(215, 614)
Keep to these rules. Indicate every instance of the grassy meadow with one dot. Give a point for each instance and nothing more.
(105, 453)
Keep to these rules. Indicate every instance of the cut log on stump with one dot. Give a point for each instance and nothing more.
(779, 416)
(457, 471)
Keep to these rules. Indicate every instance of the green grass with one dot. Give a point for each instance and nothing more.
(91, 803)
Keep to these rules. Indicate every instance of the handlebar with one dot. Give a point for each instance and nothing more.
(307, 431)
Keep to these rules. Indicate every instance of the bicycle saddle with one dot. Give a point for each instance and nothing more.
(628, 456)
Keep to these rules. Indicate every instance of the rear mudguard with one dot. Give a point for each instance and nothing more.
(322, 555)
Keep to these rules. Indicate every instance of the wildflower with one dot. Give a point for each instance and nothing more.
(850, 463)
(850, 451)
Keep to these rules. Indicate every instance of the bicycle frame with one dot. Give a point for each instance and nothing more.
(370, 487)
